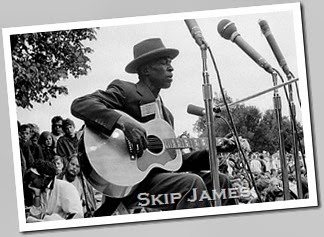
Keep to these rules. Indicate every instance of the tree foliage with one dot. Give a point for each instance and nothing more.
(261, 130)
(246, 119)
(267, 133)
(41, 60)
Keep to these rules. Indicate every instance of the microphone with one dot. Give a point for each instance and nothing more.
(195, 32)
(196, 110)
(228, 30)
(199, 111)
(274, 46)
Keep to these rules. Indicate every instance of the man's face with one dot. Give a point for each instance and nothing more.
(34, 140)
(275, 186)
(25, 134)
(69, 130)
(160, 73)
(238, 188)
(73, 167)
(57, 127)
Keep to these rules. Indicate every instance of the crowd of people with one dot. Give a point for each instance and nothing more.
(54, 154)
(266, 174)
(55, 188)
(47, 159)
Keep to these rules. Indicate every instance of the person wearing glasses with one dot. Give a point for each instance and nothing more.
(57, 128)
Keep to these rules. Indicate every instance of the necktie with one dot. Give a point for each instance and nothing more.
(159, 113)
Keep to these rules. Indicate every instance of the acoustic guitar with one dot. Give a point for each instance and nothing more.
(111, 169)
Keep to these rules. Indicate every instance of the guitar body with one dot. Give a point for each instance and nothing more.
(109, 166)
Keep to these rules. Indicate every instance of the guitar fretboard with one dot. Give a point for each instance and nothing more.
(181, 143)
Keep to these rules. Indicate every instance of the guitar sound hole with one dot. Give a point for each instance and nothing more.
(155, 145)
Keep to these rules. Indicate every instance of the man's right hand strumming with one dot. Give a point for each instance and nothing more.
(135, 134)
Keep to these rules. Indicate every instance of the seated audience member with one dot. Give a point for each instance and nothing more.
(273, 173)
(255, 164)
(237, 185)
(34, 138)
(290, 163)
(22, 163)
(249, 193)
(35, 148)
(262, 186)
(246, 183)
(57, 130)
(243, 192)
(304, 184)
(274, 192)
(24, 143)
(34, 128)
(46, 142)
(53, 199)
(22, 157)
(73, 175)
(223, 166)
(263, 163)
(67, 145)
(59, 164)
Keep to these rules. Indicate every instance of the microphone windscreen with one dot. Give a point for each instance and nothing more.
(195, 110)
(264, 26)
(226, 28)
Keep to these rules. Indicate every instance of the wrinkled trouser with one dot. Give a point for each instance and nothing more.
(184, 189)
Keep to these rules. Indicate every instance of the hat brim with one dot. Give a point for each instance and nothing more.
(158, 53)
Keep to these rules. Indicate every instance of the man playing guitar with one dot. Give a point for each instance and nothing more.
(127, 108)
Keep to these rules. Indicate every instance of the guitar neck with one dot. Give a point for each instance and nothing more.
(181, 143)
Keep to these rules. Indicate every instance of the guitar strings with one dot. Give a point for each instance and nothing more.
(156, 143)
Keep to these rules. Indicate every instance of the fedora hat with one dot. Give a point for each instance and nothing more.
(148, 50)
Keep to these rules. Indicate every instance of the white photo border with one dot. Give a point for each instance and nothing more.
(295, 8)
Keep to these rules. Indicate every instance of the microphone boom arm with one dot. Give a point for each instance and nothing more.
(261, 92)
(200, 111)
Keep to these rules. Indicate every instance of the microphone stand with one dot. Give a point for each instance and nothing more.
(292, 111)
(208, 100)
(283, 161)
(294, 135)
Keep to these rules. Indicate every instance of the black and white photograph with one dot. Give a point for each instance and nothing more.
(160, 117)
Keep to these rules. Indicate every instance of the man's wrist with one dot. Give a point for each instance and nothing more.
(120, 123)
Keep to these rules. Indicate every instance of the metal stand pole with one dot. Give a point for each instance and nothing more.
(283, 161)
(294, 135)
(208, 100)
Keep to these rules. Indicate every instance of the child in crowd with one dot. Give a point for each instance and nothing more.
(58, 161)
(25, 144)
(46, 142)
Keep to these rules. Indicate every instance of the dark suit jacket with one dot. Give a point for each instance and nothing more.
(97, 109)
